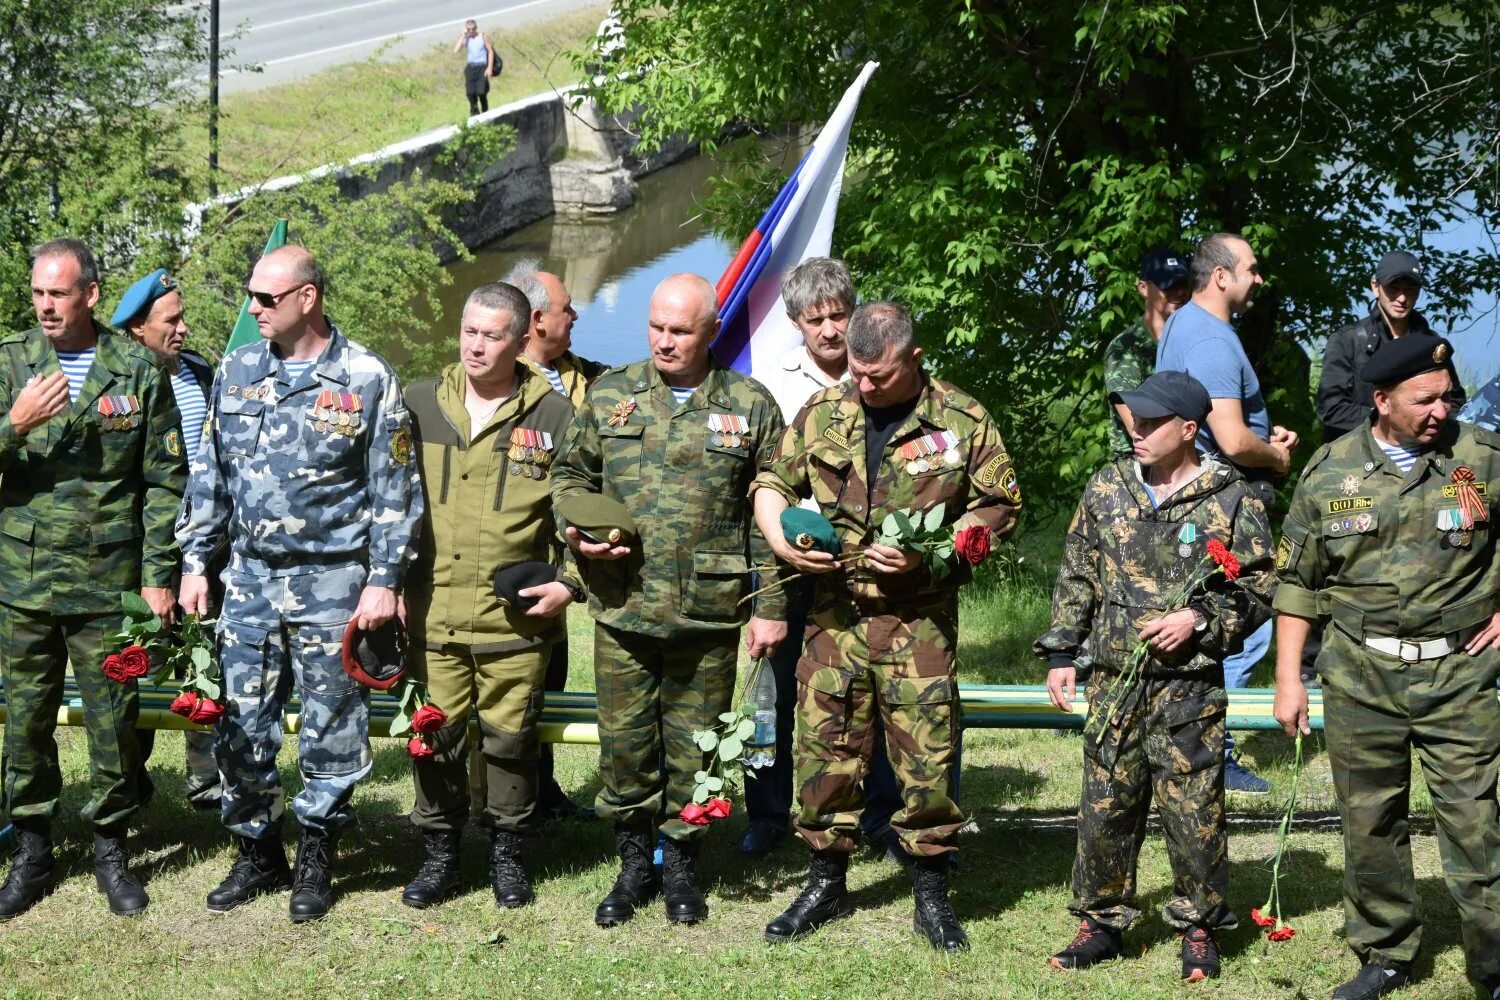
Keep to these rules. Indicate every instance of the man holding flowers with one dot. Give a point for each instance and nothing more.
(914, 478)
(1166, 569)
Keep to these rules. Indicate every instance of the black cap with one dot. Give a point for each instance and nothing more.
(1396, 265)
(1164, 267)
(1167, 394)
(511, 580)
(1407, 357)
(377, 659)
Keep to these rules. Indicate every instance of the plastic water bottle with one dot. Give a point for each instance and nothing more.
(760, 706)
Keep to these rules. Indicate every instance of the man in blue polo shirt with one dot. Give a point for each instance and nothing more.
(1198, 339)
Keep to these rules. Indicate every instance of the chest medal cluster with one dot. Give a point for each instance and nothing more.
(338, 413)
(120, 413)
(931, 451)
(530, 453)
(1457, 523)
(726, 430)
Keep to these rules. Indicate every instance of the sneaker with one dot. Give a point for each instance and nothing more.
(1238, 778)
(1371, 981)
(1094, 943)
(1200, 956)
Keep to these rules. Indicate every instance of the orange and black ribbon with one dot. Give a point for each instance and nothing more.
(1471, 506)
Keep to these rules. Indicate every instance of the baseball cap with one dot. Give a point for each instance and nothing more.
(1166, 394)
(1396, 265)
(1164, 267)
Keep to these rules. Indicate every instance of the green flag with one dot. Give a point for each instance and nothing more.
(246, 330)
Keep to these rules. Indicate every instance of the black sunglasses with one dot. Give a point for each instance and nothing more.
(267, 300)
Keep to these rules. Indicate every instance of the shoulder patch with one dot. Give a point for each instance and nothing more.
(172, 442)
(401, 446)
(989, 473)
(1283, 552)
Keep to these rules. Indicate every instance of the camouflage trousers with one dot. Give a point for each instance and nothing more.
(653, 693)
(895, 670)
(1167, 743)
(274, 631)
(504, 690)
(35, 649)
(1376, 710)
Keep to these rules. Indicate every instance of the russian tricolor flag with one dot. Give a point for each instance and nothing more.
(756, 332)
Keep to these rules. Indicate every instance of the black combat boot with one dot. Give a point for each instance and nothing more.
(685, 902)
(935, 917)
(260, 868)
(438, 878)
(112, 874)
(637, 883)
(30, 875)
(825, 898)
(507, 875)
(312, 882)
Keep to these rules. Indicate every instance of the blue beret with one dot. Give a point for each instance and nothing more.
(139, 296)
(1407, 357)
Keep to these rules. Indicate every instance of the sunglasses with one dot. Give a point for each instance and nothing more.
(268, 300)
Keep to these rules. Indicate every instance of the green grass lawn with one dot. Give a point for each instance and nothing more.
(343, 112)
(1011, 891)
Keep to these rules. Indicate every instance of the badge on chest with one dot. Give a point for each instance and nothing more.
(530, 452)
(937, 450)
(338, 413)
(120, 413)
(728, 430)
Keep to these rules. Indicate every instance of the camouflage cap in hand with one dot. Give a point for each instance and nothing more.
(808, 530)
(597, 517)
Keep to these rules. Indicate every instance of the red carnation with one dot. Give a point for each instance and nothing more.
(1221, 555)
(1261, 919)
(183, 704)
(418, 748)
(973, 544)
(717, 808)
(1282, 933)
(695, 814)
(428, 719)
(206, 712)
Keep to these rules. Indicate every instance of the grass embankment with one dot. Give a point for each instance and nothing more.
(354, 109)
(1011, 891)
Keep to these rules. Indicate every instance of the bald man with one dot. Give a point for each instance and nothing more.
(306, 466)
(677, 439)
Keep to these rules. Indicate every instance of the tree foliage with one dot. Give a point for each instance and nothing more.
(1012, 160)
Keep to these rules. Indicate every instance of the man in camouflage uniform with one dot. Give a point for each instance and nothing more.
(1165, 286)
(306, 466)
(486, 431)
(881, 635)
(676, 439)
(1391, 540)
(91, 475)
(549, 353)
(1136, 543)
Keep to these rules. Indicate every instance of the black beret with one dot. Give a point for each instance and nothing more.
(511, 580)
(377, 659)
(1407, 357)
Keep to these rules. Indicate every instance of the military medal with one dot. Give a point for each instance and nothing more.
(947, 443)
(1186, 536)
(1471, 506)
(1350, 485)
(621, 412)
(107, 412)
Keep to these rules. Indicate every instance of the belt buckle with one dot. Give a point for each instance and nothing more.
(1403, 645)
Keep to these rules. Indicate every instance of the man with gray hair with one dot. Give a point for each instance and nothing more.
(486, 430)
(819, 298)
(882, 631)
(549, 353)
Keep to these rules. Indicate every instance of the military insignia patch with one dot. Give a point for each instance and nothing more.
(837, 437)
(1283, 552)
(1440, 354)
(172, 441)
(1010, 486)
(401, 445)
(1350, 485)
(1350, 503)
(989, 473)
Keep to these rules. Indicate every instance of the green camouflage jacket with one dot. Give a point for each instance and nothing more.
(1128, 359)
(822, 456)
(1124, 560)
(487, 506)
(684, 474)
(1382, 553)
(88, 499)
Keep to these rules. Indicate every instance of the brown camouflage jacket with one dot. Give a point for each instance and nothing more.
(822, 456)
(1124, 558)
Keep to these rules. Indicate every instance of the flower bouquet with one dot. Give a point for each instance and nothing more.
(154, 650)
(417, 718)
